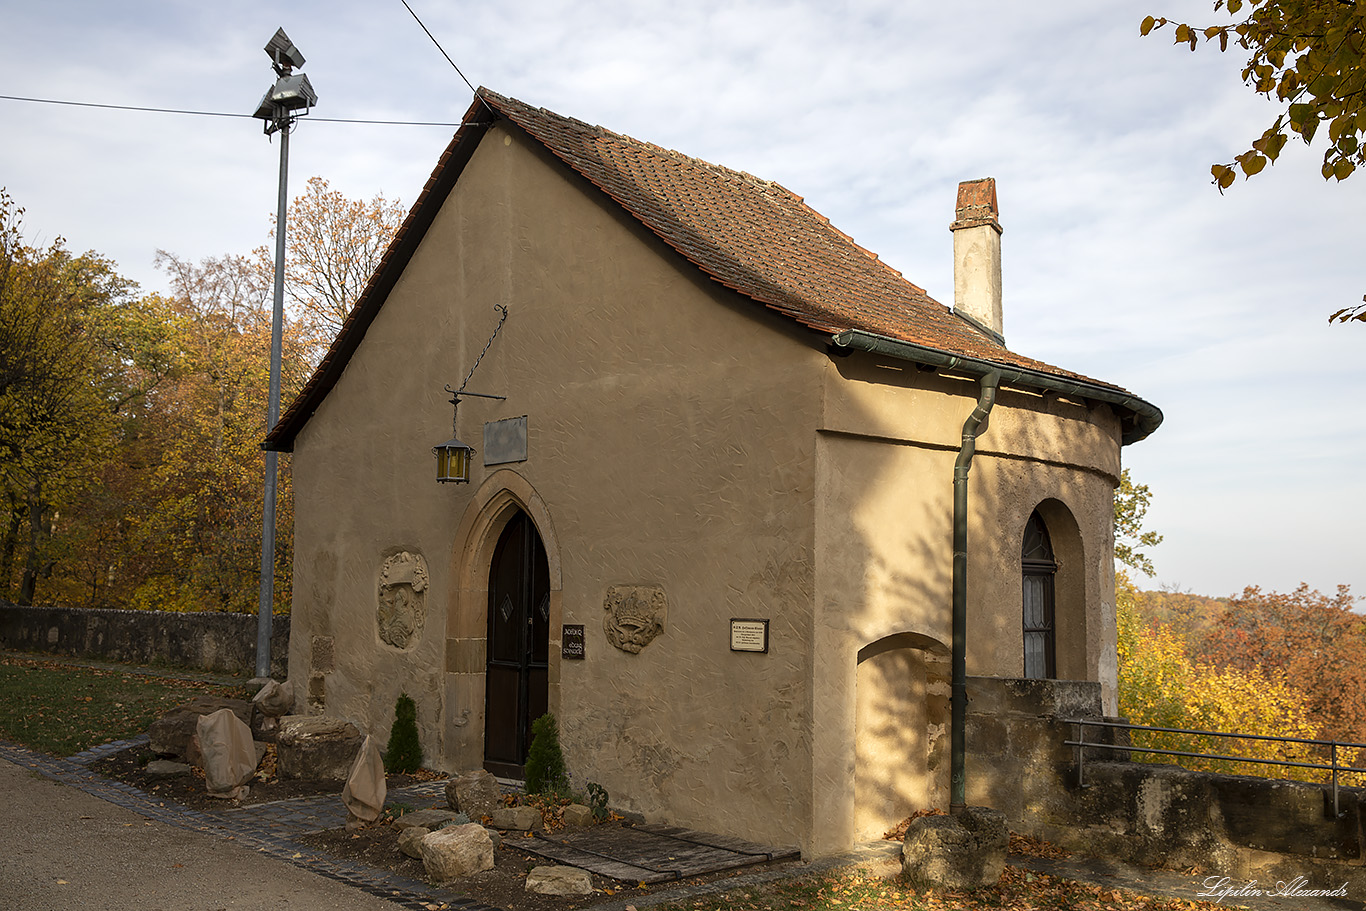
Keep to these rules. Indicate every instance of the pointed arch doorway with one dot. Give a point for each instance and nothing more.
(516, 672)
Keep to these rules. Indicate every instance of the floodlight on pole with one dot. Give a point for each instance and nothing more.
(290, 97)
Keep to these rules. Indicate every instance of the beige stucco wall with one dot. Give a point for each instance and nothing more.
(884, 532)
(682, 437)
(670, 443)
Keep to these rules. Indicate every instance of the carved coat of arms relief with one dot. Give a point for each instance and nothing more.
(402, 599)
(635, 615)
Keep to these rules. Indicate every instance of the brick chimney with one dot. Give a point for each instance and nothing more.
(977, 256)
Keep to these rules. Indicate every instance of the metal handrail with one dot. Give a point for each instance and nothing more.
(1081, 744)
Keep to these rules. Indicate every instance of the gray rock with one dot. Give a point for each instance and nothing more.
(555, 880)
(274, 699)
(426, 819)
(476, 794)
(576, 814)
(495, 835)
(172, 733)
(316, 747)
(456, 851)
(264, 728)
(521, 819)
(967, 851)
(410, 840)
(166, 768)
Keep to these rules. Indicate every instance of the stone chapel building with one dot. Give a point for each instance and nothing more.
(709, 522)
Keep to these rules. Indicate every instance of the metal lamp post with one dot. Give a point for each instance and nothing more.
(290, 97)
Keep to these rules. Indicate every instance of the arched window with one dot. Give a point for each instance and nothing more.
(1038, 568)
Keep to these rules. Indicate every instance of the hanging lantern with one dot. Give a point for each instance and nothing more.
(453, 461)
(453, 457)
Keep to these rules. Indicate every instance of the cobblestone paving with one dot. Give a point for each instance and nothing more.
(268, 828)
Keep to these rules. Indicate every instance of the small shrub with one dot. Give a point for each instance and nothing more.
(459, 819)
(597, 801)
(405, 750)
(545, 760)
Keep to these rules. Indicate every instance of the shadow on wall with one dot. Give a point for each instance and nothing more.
(218, 642)
(897, 615)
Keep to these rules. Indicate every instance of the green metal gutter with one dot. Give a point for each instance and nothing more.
(975, 424)
(1141, 420)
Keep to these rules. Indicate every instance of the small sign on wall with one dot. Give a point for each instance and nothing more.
(505, 441)
(748, 635)
(571, 642)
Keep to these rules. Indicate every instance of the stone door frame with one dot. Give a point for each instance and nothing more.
(494, 503)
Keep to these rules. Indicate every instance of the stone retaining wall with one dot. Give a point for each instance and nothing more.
(219, 642)
(1160, 815)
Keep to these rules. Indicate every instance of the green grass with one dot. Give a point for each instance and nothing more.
(63, 710)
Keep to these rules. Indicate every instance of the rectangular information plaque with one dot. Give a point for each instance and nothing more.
(571, 641)
(748, 635)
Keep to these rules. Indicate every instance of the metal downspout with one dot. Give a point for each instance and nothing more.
(974, 425)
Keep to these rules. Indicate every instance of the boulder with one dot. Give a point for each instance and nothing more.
(556, 880)
(410, 840)
(576, 814)
(456, 851)
(263, 727)
(274, 700)
(496, 836)
(476, 794)
(962, 852)
(522, 819)
(426, 819)
(316, 747)
(172, 733)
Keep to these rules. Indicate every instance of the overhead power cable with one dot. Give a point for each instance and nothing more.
(130, 107)
(444, 54)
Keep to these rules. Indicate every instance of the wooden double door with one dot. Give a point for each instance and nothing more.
(517, 673)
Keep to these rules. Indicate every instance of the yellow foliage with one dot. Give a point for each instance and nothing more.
(1160, 686)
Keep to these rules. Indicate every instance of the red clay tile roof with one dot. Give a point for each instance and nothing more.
(751, 235)
(757, 237)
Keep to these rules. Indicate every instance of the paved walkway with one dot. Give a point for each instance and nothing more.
(261, 829)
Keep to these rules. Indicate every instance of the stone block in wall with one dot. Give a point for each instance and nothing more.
(1288, 817)
(323, 654)
(1012, 696)
(1159, 815)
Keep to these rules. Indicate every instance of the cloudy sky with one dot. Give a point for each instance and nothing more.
(1121, 260)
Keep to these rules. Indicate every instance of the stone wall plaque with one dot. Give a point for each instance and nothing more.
(505, 441)
(635, 615)
(748, 635)
(402, 599)
(571, 642)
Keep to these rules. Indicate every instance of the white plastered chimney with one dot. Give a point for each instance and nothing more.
(977, 256)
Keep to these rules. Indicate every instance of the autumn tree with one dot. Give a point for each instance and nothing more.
(201, 528)
(1316, 640)
(1131, 506)
(1161, 685)
(333, 245)
(75, 353)
(1307, 55)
